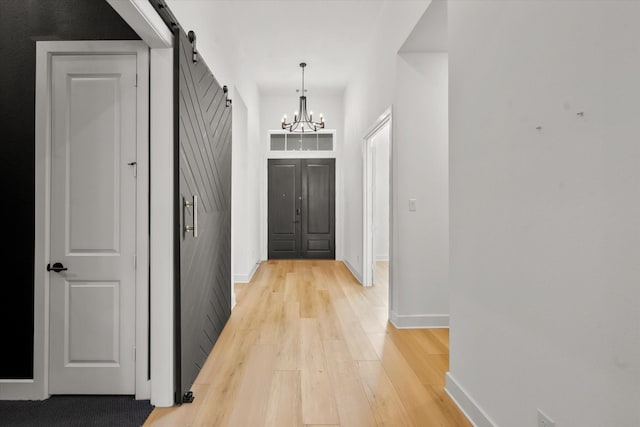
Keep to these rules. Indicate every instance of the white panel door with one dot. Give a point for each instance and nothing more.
(92, 302)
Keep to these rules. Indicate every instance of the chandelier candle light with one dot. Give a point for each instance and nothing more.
(302, 122)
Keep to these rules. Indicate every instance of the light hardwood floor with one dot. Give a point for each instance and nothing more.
(306, 345)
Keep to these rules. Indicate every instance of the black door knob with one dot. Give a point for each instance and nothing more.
(57, 267)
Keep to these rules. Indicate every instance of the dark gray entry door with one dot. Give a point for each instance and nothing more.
(301, 208)
(203, 202)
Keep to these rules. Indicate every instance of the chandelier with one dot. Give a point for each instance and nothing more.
(302, 121)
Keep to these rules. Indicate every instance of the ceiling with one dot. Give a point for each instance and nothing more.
(273, 37)
(430, 33)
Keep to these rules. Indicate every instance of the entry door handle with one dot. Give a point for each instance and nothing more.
(298, 211)
(57, 267)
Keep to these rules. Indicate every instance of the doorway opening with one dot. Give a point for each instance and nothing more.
(377, 196)
(91, 319)
(380, 205)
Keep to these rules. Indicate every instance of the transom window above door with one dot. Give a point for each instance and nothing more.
(285, 141)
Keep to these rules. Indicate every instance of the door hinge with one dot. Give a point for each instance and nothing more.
(133, 353)
(136, 80)
(135, 262)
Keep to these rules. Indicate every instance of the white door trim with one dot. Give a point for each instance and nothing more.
(162, 226)
(145, 21)
(367, 205)
(37, 388)
(148, 24)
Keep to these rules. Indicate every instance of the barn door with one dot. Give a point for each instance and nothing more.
(204, 208)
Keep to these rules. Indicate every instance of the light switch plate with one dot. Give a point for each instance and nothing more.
(412, 205)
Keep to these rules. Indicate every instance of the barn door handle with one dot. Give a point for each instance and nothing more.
(57, 267)
(192, 228)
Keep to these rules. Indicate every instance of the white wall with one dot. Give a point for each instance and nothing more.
(272, 107)
(246, 251)
(420, 149)
(381, 194)
(369, 94)
(545, 224)
(238, 168)
(245, 197)
(212, 22)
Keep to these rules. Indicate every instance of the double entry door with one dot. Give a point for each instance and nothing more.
(301, 209)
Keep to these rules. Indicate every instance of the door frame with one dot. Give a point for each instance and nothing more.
(38, 387)
(264, 184)
(368, 257)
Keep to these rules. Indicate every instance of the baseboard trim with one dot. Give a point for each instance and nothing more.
(382, 258)
(467, 405)
(21, 390)
(417, 321)
(246, 278)
(352, 270)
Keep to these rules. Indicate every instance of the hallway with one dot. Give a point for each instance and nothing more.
(307, 345)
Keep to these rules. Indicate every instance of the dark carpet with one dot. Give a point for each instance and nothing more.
(75, 411)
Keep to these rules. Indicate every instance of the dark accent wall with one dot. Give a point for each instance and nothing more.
(22, 23)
